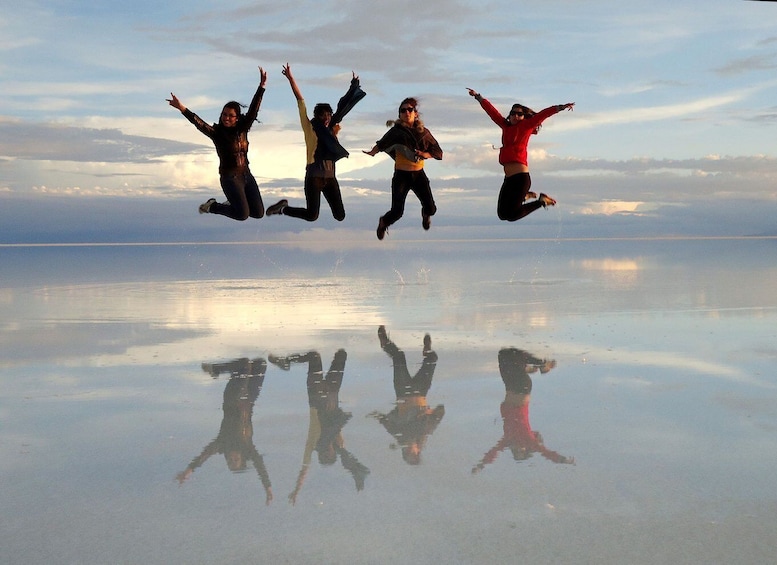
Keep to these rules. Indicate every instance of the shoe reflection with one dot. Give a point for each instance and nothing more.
(327, 419)
(412, 420)
(235, 437)
(514, 367)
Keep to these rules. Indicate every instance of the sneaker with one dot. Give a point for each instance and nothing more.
(205, 208)
(546, 200)
(277, 208)
(382, 229)
(426, 221)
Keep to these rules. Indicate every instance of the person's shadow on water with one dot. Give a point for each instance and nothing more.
(235, 437)
(412, 420)
(514, 367)
(327, 419)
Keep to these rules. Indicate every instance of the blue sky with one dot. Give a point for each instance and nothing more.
(673, 131)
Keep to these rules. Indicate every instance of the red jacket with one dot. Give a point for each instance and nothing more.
(515, 139)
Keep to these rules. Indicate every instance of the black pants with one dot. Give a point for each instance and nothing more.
(314, 188)
(511, 206)
(401, 185)
(243, 197)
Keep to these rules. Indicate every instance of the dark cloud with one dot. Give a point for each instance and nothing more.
(26, 140)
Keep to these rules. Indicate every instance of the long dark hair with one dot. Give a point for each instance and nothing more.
(528, 113)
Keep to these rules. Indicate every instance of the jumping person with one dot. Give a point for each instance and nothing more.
(521, 123)
(408, 143)
(323, 151)
(230, 136)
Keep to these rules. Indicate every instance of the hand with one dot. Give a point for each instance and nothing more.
(263, 77)
(372, 152)
(422, 154)
(568, 106)
(473, 93)
(175, 103)
(287, 71)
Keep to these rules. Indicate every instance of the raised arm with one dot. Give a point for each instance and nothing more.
(294, 88)
(492, 112)
(253, 109)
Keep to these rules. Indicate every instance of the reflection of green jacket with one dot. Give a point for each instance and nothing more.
(412, 425)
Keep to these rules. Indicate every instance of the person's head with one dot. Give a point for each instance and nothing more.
(235, 461)
(323, 113)
(230, 114)
(408, 111)
(520, 112)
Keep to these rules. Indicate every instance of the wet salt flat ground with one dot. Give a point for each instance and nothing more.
(233, 403)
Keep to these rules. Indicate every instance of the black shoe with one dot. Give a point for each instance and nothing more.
(426, 221)
(277, 208)
(205, 207)
(382, 229)
(546, 200)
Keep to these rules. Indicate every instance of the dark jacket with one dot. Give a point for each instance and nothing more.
(411, 138)
(231, 143)
(329, 148)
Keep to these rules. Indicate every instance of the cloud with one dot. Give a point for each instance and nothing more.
(763, 62)
(41, 141)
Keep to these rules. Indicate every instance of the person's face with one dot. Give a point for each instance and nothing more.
(325, 118)
(516, 115)
(407, 113)
(228, 117)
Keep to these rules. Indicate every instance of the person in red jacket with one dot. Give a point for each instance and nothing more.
(521, 123)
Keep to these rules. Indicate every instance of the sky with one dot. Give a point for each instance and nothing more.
(672, 134)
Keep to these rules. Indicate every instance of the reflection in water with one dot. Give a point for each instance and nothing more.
(412, 420)
(327, 419)
(515, 366)
(235, 437)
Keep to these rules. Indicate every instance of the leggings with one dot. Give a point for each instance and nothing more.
(511, 206)
(314, 188)
(401, 184)
(243, 197)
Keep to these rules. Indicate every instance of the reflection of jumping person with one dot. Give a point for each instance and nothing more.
(230, 136)
(409, 143)
(515, 366)
(327, 419)
(412, 420)
(517, 127)
(235, 437)
(323, 151)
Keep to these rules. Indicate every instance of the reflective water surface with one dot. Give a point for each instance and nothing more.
(469, 402)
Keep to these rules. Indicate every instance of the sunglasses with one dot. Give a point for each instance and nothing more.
(407, 109)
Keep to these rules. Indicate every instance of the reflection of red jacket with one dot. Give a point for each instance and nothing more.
(515, 138)
(518, 434)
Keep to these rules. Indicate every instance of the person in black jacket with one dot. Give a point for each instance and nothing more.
(408, 143)
(323, 151)
(230, 136)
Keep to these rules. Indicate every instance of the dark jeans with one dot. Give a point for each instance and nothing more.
(314, 188)
(243, 197)
(401, 184)
(511, 206)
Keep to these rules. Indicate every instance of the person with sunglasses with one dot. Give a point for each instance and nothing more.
(409, 144)
(323, 151)
(230, 136)
(517, 127)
